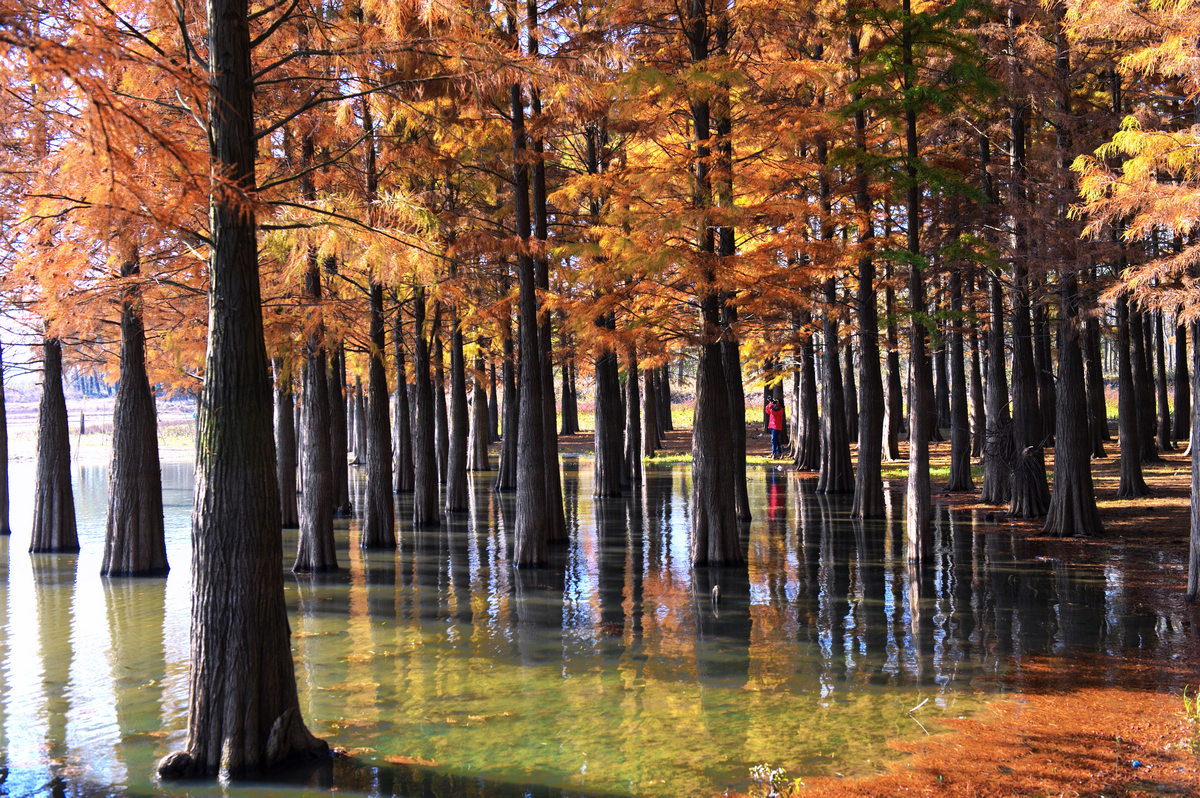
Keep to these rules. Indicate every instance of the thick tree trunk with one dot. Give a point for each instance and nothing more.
(134, 543)
(1160, 380)
(402, 477)
(1143, 386)
(286, 446)
(893, 419)
(997, 448)
(1043, 362)
(360, 420)
(1073, 511)
(440, 411)
(379, 518)
(666, 422)
(477, 448)
(506, 480)
(737, 395)
(960, 420)
(609, 463)
(836, 475)
(456, 456)
(650, 433)
(53, 501)
(1129, 419)
(337, 431)
(633, 422)
(1183, 399)
(425, 467)
(531, 533)
(1093, 371)
(850, 393)
(243, 710)
(941, 389)
(808, 448)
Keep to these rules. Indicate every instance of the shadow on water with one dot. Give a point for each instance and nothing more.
(616, 670)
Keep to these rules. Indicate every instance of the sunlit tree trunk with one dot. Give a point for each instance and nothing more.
(379, 518)
(1165, 441)
(53, 501)
(477, 445)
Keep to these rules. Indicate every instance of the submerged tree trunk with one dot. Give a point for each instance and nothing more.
(425, 468)
(134, 543)
(960, 421)
(286, 446)
(650, 437)
(808, 447)
(737, 393)
(506, 480)
(440, 411)
(315, 551)
(337, 431)
(379, 519)
(836, 475)
(456, 456)
(477, 445)
(609, 462)
(402, 478)
(1132, 483)
(243, 709)
(53, 501)
(1073, 511)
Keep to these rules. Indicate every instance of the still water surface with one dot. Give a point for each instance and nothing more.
(615, 672)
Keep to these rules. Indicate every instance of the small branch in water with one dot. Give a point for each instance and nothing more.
(918, 706)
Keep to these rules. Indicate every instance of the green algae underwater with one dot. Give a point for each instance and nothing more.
(440, 670)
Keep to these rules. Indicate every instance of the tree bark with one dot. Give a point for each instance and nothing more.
(402, 478)
(893, 419)
(286, 446)
(650, 439)
(978, 406)
(850, 392)
(456, 456)
(440, 411)
(836, 475)
(808, 448)
(1193, 585)
(5, 526)
(425, 467)
(134, 542)
(493, 419)
(960, 420)
(379, 518)
(243, 709)
(1132, 483)
(633, 422)
(1043, 362)
(337, 431)
(737, 393)
(1143, 385)
(1183, 399)
(477, 445)
(506, 480)
(609, 462)
(53, 501)
(666, 422)
(1165, 441)
(942, 389)
(1093, 371)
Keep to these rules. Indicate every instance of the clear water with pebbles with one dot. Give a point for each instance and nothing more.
(619, 670)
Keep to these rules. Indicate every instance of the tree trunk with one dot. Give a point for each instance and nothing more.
(1044, 364)
(440, 411)
(285, 444)
(360, 420)
(339, 466)
(941, 390)
(425, 467)
(1143, 386)
(850, 392)
(737, 395)
(650, 439)
(808, 451)
(1129, 419)
(531, 533)
(506, 480)
(1193, 585)
(666, 422)
(893, 419)
(609, 424)
(5, 527)
(134, 543)
(53, 501)
(456, 461)
(379, 518)
(1093, 371)
(1073, 511)
(1183, 399)
(477, 448)
(836, 475)
(243, 710)
(997, 444)
(633, 422)
(493, 408)
(960, 420)
(402, 479)
(978, 407)
(1160, 378)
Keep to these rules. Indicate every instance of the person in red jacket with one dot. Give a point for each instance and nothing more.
(775, 424)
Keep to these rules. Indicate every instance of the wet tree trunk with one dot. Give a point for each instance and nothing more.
(893, 419)
(1183, 399)
(134, 544)
(477, 449)
(1143, 386)
(1045, 370)
(531, 533)
(633, 422)
(351, 428)
(337, 428)
(425, 467)
(650, 436)
(379, 521)
(5, 527)
(808, 451)
(440, 411)
(1073, 511)
(960, 420)
(403, 476)
(1093, 370)
(609, 423)
(360, 420)
(1132, 483)
(456, 455)
(53, 501)
(1165, 441)
(506, 480)
(737, 393)
(243, 710)
(285, 444)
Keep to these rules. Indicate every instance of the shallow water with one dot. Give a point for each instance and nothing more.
(614, 672)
